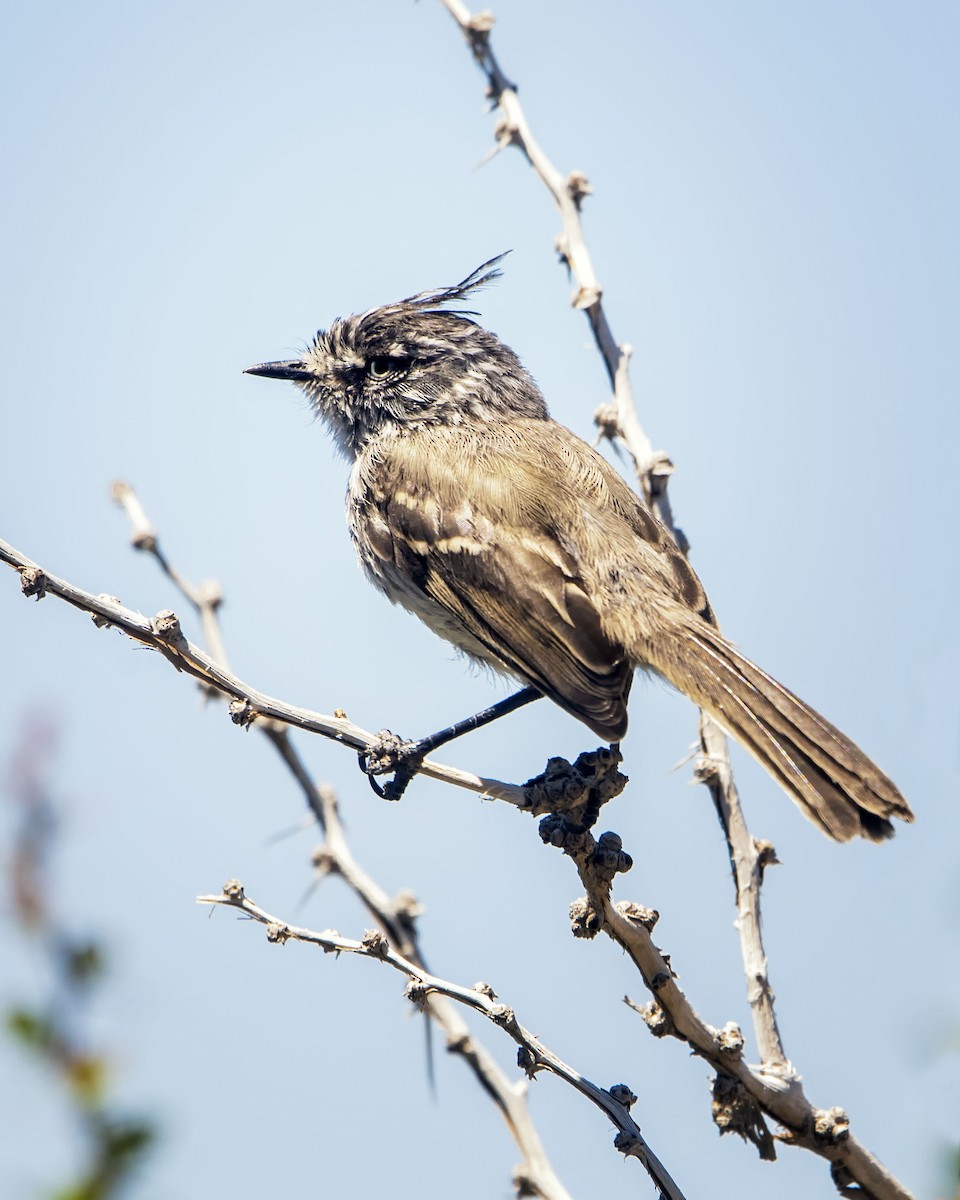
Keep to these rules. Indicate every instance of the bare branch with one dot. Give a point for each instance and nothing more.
(621, 424)
(396, 917)
(163, 633)
(770, 1088)
(206, 599)
(568, 193)
(748, 859)
(534, 1056)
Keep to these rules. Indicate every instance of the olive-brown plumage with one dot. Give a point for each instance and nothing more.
(513, 539)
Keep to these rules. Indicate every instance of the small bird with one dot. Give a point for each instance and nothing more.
(516, 541)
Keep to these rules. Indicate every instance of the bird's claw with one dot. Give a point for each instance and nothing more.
(390, 753)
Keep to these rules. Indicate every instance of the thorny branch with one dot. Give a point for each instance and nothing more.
(533, 1055)
(396, 917)
(589, 781)
(772, 1086)
(742, 1093)
(653, 467)
(653, 470)
(163, 633)
(620, 422)
(582, 786)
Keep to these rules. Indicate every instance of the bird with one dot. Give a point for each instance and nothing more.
(516, 541)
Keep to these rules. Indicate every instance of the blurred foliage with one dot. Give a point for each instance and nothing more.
(114, 1144)
(951, 1172)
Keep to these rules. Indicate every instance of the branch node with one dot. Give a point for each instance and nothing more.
(458, 1043)
(418, 993)
(606, 421)
(528, 1062)
(623, 1095)
(655, 1017)
(578, 185)
(766, 855)
(233, 891)
(525, 1184)
(586, 296)
(166, 626)
(504, 1016)
(660, 980)
(33, 582)
(730, 1040)
(506, 134)
(484, 989)
(585, 921)
(659, 469)
(638, 914)
(242, 713)
(102, 622)
(735, 1111)
(556, 830)
(578, 790)
(374, 941)
(480, 24)
(406, 908)
(325, 862)
(628, 1144)
(143, 536)
(609, 858)
(831, 1126)
(278, 932)
(209, 594)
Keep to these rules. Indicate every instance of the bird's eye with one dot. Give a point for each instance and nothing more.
(385, 366)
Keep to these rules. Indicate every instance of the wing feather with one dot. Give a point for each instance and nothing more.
(485, 551)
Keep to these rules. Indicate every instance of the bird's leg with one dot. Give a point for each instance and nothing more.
(404, 758)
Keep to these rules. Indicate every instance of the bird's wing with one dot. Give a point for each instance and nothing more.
(478, 531)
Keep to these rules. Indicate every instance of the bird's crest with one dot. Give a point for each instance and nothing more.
(438, 298)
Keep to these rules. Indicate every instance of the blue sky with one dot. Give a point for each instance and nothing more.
(191, 188)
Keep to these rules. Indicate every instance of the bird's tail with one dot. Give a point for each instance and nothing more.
(832, 780)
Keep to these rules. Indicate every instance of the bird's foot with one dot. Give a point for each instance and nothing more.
(391, 753)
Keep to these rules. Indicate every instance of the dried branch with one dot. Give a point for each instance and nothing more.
(750, 1091)
(206, 598)
(533, 1055)
(396, 917)
(163, 633)
(748, 857)
(621, 423)
(568, 192)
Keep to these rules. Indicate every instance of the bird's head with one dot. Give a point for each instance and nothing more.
(395, 369)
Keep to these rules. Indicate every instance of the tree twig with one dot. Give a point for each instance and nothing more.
(163, 633)
(534, 1056)
(568, 193)
(653, 468)
(771, 1089)
(748, 857)
(396, 917)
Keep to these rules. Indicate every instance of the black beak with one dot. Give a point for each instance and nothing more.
(294, 370)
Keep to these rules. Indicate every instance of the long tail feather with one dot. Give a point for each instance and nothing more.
(834, 783)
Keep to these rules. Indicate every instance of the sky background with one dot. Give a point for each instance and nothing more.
(192, 188)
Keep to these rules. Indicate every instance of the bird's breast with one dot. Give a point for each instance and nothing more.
(398, 529)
